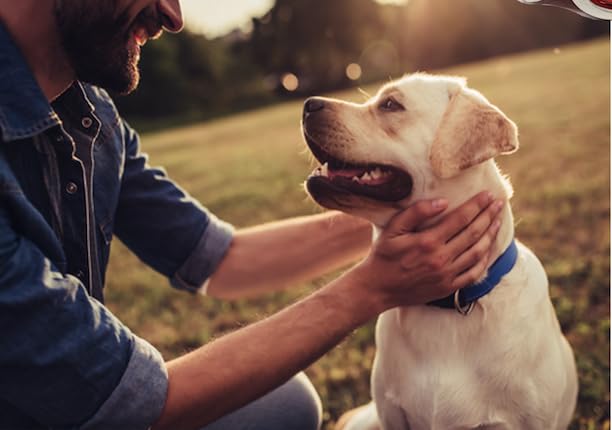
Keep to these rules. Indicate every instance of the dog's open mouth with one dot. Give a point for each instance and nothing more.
(375, 181)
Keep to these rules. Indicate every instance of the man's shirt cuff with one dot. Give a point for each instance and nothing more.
(201, 264)
(138, 400)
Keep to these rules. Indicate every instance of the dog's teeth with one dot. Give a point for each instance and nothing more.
(324, 170)
(355, 179)
(376, 173)
(366, 176)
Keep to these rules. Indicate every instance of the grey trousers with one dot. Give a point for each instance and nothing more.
(293, 406)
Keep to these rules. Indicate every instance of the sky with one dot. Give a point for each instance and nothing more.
(217, 17)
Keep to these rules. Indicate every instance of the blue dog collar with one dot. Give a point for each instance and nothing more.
(463, 300)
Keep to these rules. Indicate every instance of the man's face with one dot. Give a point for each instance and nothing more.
(102, 38)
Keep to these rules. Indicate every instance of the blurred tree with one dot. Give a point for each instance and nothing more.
(315, 39)
(191, 76)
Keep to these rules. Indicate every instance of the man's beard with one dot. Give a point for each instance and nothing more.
(101, 47)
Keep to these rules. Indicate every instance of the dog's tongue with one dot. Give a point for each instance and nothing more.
(346, 173)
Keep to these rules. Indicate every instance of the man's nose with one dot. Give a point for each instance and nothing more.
(172, 18)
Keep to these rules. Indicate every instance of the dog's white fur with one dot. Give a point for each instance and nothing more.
(506, 365)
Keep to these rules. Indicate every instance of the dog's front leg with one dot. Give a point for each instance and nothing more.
(391, 416)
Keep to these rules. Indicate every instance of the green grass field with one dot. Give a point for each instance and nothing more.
(249, 168)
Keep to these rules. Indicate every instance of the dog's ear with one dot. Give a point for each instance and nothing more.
(472, 131)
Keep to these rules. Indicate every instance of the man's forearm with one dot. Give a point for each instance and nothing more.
(285, 253)
(242, 366)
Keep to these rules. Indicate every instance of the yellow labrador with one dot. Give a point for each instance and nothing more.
(492, 356)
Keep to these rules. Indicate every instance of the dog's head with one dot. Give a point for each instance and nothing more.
(410, 142)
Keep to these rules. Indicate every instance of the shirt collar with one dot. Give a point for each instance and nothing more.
(24, 109)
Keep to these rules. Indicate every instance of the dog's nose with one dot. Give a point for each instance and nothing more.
(313, 104)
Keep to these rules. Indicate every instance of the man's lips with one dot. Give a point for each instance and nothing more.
(147, 25)
(142, 33)
(140, 36)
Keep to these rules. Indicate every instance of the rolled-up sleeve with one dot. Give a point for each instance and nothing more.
(164, 226)
(65, 360)
(129, 406)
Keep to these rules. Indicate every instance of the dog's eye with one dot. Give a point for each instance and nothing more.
(390, 105)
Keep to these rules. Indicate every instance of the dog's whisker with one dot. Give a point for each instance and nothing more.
(364, 93)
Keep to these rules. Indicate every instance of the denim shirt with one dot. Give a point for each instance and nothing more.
(71, 177)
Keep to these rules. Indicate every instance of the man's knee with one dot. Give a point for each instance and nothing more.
(293, 406)
(304, 411)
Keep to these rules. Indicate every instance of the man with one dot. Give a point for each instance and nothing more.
(72, 175)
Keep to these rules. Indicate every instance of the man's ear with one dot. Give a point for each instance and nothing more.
(472, 131)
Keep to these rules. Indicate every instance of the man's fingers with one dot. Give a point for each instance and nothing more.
(460, 218)
(408, 220)
(477, 252)
(472, 275)
(484, 224)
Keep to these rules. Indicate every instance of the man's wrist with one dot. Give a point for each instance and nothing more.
(348, 234)
(353, 295)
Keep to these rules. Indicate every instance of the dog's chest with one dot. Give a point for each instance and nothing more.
(434, 374)
(444, 369)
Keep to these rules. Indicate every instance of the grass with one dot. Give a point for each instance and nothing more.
(248, 169)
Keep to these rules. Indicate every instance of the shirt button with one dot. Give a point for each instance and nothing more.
(71, 188)
(86, 122)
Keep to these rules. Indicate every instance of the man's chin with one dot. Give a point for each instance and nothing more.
(120, 84)
(119, 77)
(126, 82)
(126, 87)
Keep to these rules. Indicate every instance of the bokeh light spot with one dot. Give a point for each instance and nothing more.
(379, 60)
(290, 82)
(353, 71)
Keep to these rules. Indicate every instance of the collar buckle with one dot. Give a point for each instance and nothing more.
(463, 310)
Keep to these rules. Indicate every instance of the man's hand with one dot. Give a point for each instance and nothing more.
(408, 266)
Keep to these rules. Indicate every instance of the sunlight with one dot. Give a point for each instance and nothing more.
(215, 19)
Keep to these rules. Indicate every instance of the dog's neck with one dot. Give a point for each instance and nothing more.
(485, 177)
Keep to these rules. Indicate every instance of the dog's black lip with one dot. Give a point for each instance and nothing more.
(397, 189)
(323, 157)
(319, 153)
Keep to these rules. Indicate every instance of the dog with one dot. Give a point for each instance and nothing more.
(497, 362)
